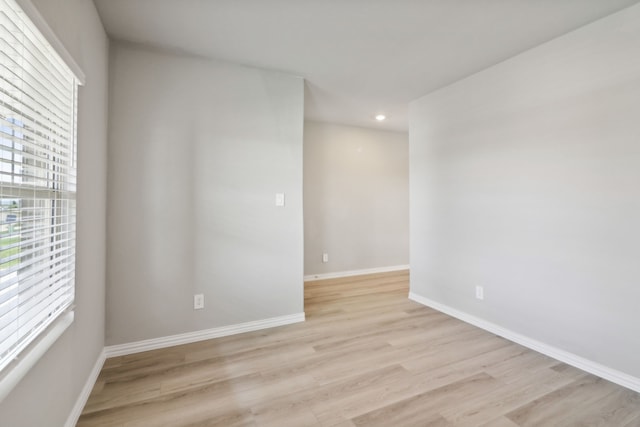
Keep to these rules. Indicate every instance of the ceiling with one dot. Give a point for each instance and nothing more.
(358, 57)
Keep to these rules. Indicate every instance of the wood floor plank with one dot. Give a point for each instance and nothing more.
(618, 408)
(366, 355)
(426, 406)
(561, 404)
(494, 403)
(338, 423)
(500, 422)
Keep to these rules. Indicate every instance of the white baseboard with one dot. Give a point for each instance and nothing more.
(590, 366)
(312, 277)
(189, 337)
(86, 391)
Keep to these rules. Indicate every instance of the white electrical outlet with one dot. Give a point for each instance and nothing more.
(325, 257)
(479, 292)
(198, 301)
(279, 199)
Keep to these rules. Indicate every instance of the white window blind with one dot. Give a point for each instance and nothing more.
(38, 94)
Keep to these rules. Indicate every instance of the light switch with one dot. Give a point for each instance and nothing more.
(279, 199)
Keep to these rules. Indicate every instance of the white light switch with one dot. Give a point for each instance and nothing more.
(279, 199)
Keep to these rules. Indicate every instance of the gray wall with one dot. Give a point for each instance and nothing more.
(197, 151)
(356, 198)
(56, 381)
(525, 179)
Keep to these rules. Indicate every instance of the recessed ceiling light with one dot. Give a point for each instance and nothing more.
(380, 117)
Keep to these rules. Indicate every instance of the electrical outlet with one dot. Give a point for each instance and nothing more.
(479, 292)
(198, 301)
(325, 257)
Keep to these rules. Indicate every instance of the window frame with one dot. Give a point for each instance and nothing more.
(46, 333)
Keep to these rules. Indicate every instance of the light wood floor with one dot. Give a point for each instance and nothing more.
(366, 356)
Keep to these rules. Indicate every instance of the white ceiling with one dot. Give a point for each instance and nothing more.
(359, 57)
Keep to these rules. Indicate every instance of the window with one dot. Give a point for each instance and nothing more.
(38, 95)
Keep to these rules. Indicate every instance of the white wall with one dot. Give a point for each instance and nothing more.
(525, 179)
(197, 151)
(356, 198)
(45, 397)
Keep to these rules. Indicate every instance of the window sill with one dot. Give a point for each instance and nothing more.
(15, 371)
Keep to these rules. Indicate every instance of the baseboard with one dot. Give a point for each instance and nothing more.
(620, 378)
(86, 391)
(312, 277)
(189, 337)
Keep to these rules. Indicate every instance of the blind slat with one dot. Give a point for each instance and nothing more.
(37, 276)
(31, 106)
(38, 110)
(27, 47)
